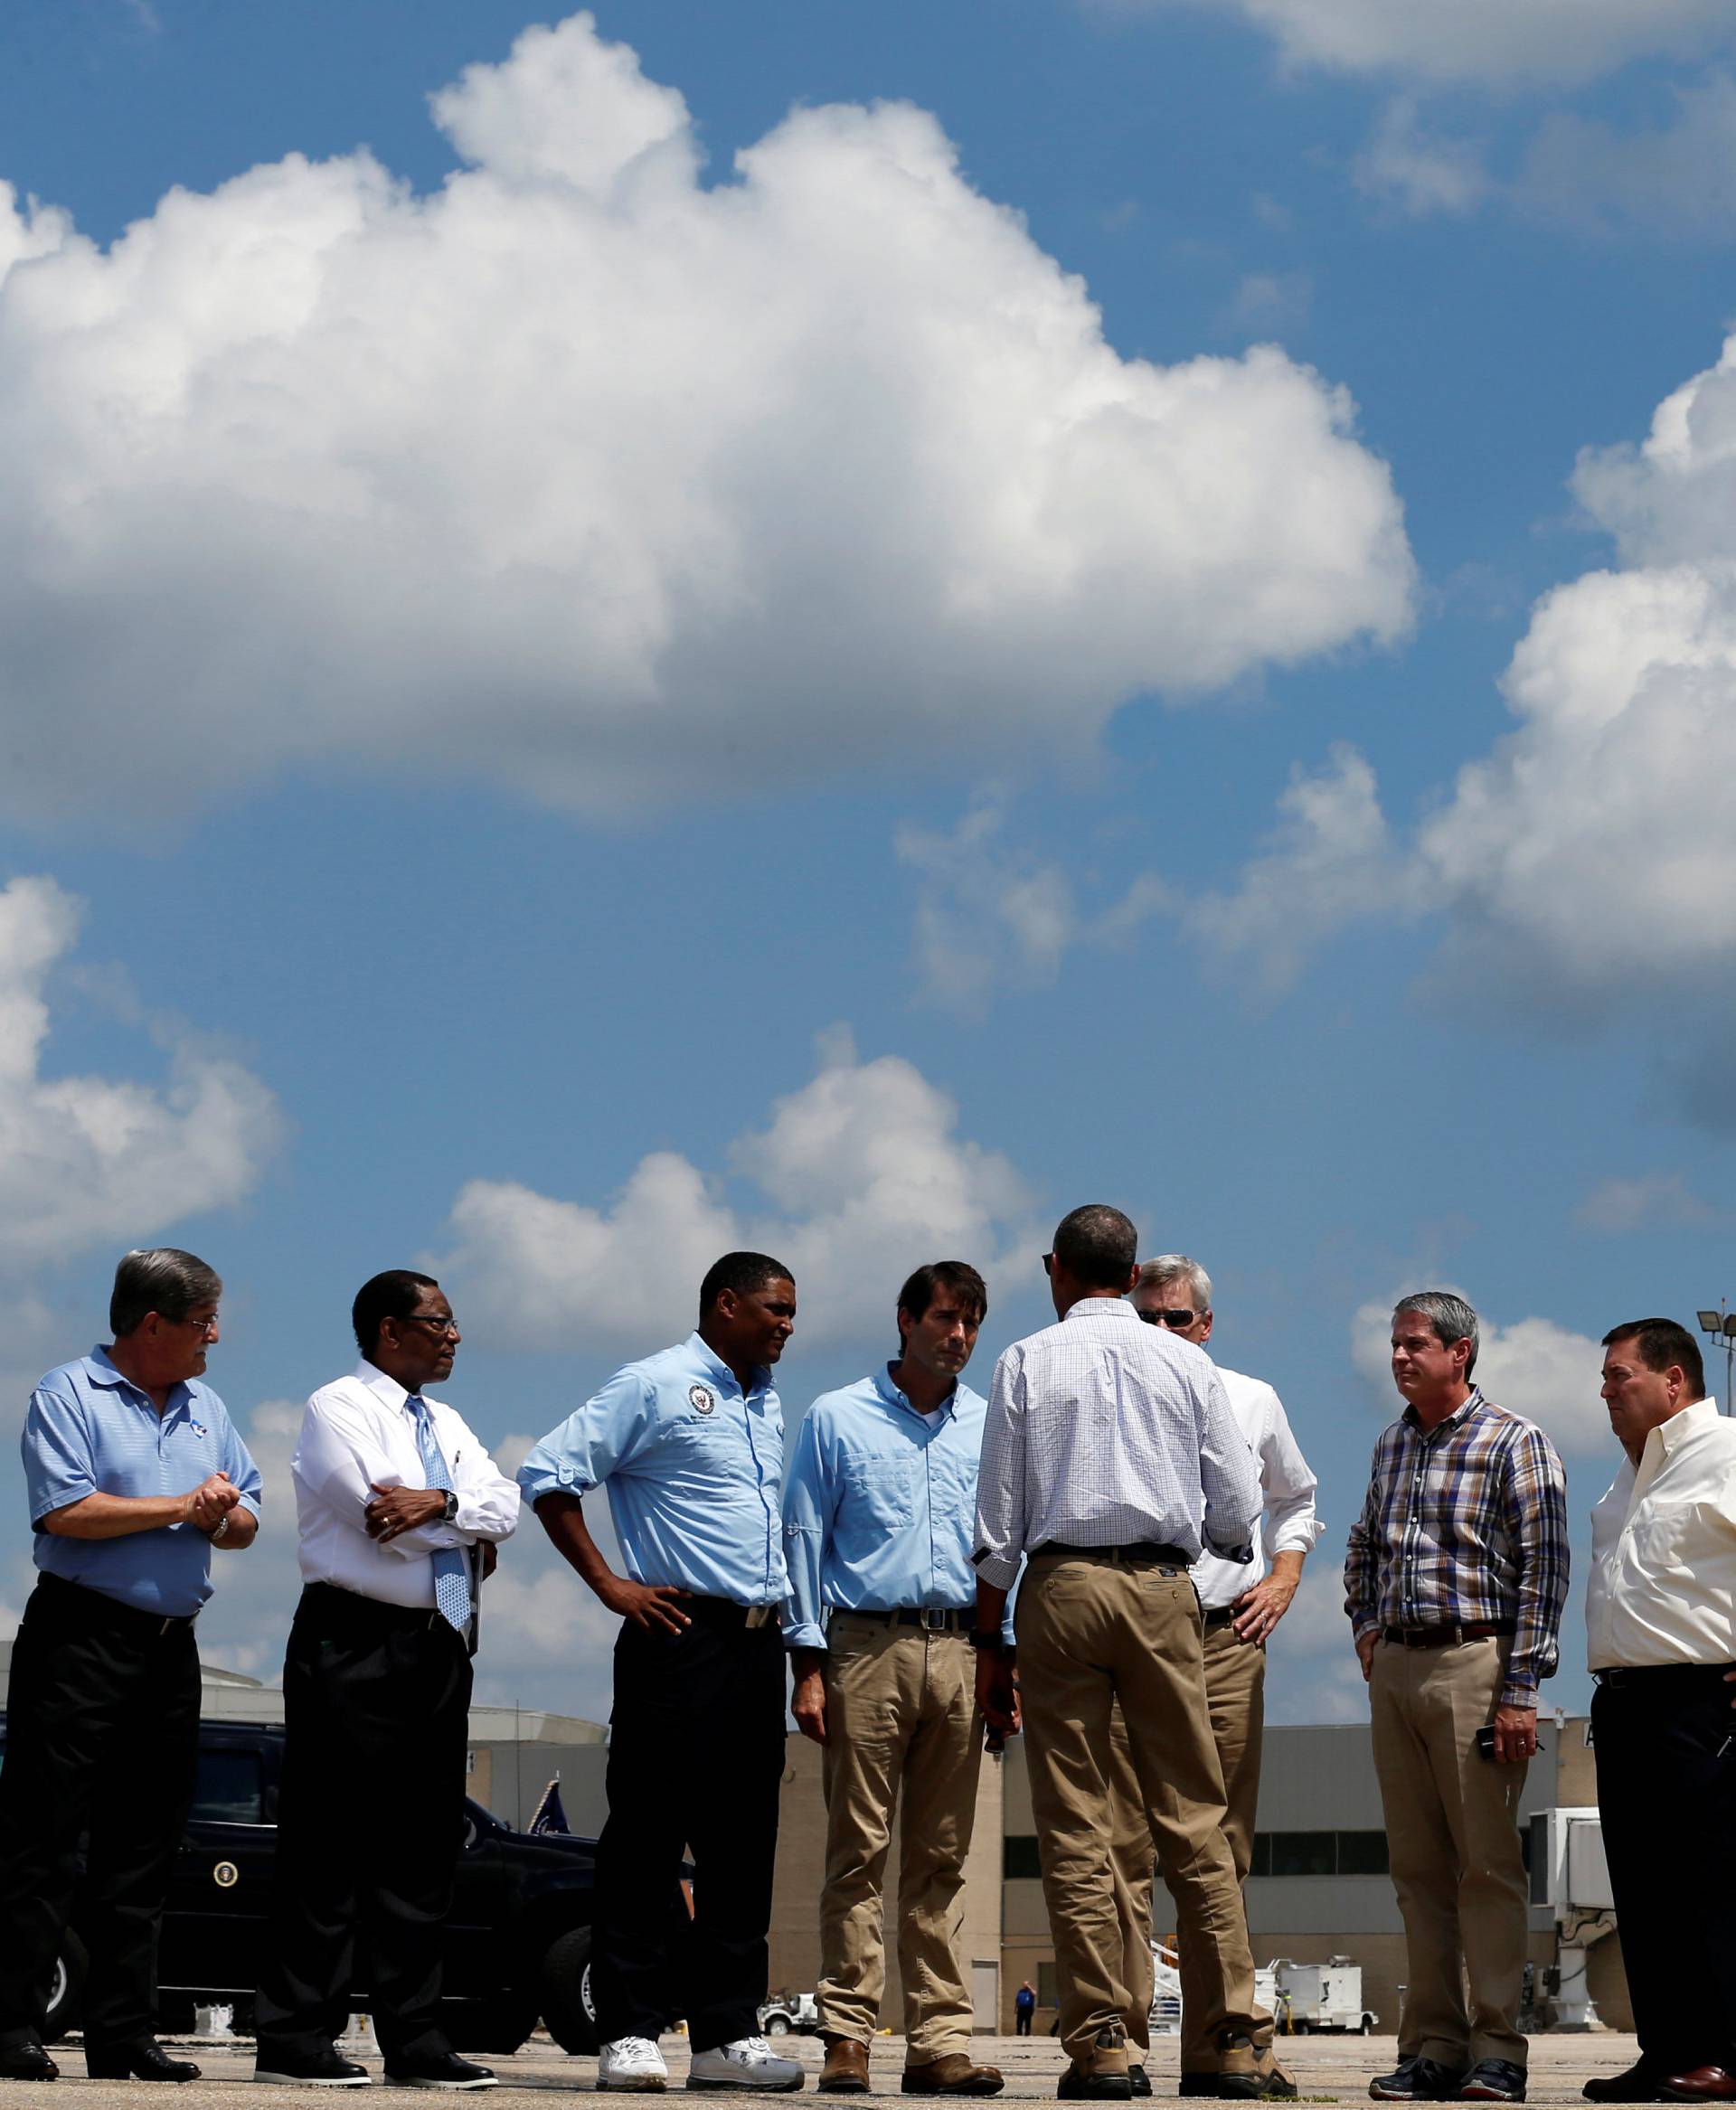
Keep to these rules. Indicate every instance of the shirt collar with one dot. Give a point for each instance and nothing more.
(100, 1369)
(714, 1367)
(1454, 1420)
(1674, 1432)
(885, 1385)
(1089, 1308)
(386, 1389)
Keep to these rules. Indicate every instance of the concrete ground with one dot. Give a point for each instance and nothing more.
(1328, 2069)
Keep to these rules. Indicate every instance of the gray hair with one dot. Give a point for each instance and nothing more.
(1178, 1267)
(159, 1279)
(1450, 1316)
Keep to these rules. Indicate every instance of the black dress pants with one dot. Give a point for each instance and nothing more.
(102, 1737)
(1665, 1741)
(695, 1760)
(376, 1704)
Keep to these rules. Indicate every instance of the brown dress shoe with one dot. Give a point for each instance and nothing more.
(845, 2071)
(952, 2074)
(1705, 2084)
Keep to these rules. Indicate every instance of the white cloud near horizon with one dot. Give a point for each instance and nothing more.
(85, 1159)
(861, 1176)
(583, 478)
(1532, 1367)
(1499, 45)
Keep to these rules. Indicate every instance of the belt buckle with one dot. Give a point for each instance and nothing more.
(933, 1619)
(757, 1615)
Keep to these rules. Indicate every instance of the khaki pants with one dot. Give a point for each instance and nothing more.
(900, 1718)
(1235, 1697)
(1093, 1633)
(1452, 1832)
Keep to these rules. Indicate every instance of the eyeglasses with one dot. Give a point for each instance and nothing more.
(205, 1326)
(447, 1326)
(1179, 1319)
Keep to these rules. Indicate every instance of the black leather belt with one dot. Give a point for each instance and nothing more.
(1656, 1673)
(98, 1609)
(931, 1618)
(726, 1613)
(1218, 1616)
(1168, 1556)
(1446, 1636)
(331, 1603)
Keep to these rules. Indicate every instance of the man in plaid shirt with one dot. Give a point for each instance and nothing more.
(1454, 1583)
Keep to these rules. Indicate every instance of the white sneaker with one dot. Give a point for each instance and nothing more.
(749, 2063)
(632, 2062)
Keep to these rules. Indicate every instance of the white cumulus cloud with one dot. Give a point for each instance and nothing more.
(608, 484)
(860, 1175)
(1532, 1367)
(1497, 43)
(1419, 170)
(1639, 1203)
(84, 1158)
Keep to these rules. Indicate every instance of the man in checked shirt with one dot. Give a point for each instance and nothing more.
(1454, 1584)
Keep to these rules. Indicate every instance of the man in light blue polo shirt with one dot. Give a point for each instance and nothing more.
(878, 1512)
(690, 1444)
(134, 1473)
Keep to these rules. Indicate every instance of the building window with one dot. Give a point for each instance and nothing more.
(1019, 1860)
(1319, 1853)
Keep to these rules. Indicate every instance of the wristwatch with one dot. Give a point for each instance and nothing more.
(221, 1532)
(451, 1509)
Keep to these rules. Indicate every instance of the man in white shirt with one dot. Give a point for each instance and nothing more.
(1110, 1457)
(400, 1510)
(1242, 1606)
(1659, 1611)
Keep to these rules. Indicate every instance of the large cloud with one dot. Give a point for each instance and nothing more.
(863, 1177)
(84, 1158)
(1500, 42)
(594, 481)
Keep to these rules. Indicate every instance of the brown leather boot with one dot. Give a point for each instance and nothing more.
(1101, 2076)
(845, 2071)
(1251, 2070)
(954, 2073)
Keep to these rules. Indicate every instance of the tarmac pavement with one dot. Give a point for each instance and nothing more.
(1328, 2069)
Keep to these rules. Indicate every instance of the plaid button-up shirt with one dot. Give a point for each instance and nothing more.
(1465, 1522)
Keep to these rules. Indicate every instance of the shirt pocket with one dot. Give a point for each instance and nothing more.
(881, 1491)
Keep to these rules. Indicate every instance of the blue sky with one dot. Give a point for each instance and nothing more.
(846, 627)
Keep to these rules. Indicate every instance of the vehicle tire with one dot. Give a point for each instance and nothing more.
(777, 2027)
(1368, 2026)
(66, 1990)
(563, 1991)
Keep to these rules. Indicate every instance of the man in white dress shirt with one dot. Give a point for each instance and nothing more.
(1659, 1610)
(400, 1510)
(1110, 1457)
(1242, 1606)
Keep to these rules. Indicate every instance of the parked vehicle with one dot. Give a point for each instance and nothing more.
(790, 2014)
(517, 1944)
(1307, 1997)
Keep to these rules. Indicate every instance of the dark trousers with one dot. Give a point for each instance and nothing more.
(1021, 2021)
(370, 1821)
(695, 1760)
(102, 1737)
(1664, 1742)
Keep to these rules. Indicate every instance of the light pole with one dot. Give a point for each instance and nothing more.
(1721, 1326)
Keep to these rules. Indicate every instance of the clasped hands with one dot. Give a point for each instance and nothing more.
(210, 1501)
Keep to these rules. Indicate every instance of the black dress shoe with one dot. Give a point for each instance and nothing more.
(26, 2062)
(1198, 2083)
(436, 2069)
(1636, 2084)
(293, 2067)
(142, 2061)
(1138, 2079)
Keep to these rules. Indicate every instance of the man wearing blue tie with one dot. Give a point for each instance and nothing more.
(400, 1510)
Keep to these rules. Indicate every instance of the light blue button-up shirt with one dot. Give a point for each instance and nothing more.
(91, 1431)
(878, 1505)
(691, 1469)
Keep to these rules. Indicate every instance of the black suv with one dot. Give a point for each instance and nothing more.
(517, 1944)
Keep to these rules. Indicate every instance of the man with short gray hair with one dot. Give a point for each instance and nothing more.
(134, 1473)
(1241, 1607)
(1454, 1583)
